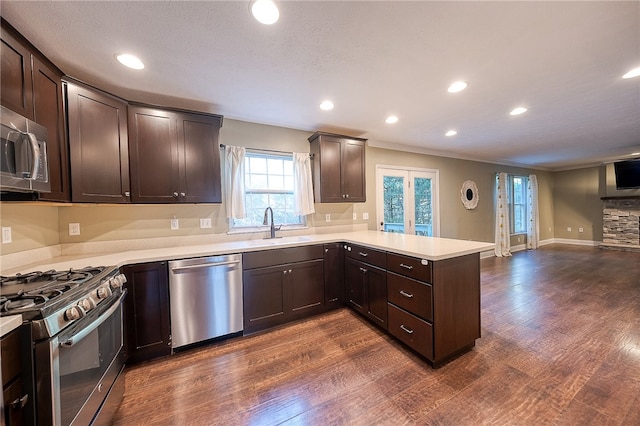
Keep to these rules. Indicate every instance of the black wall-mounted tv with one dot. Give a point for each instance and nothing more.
(627, 174)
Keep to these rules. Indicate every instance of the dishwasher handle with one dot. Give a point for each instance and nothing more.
(204, 265)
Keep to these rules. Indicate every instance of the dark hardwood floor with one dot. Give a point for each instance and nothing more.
(560, 345)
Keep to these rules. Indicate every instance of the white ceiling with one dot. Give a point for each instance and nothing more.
(562, 60)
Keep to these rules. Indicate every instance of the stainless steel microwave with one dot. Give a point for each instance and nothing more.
(23, 147)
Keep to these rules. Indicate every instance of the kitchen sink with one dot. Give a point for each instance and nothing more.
(278, 241)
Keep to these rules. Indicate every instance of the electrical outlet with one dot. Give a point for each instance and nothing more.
(74, 229)
(6, 234)
(365, 216)
(568, 229)
(175, 224)
(327, 217)
(580, 229)
(205, 223)
(355, 216)
(519, 239)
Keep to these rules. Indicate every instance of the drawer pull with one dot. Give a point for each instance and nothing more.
(19, 403)
(409, 267)
(405, 294)
(363, 254)
(408, 330)
(364, 271)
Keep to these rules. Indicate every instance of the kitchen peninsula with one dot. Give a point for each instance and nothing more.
(425, 291)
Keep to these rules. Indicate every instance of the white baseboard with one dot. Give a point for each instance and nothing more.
(576, 242)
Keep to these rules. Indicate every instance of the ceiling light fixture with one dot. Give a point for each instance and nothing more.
(633, 73)
(518, 111)
(326, 105)
(457, 86)
(130, 61)
(392, 119)
(451, 133)
(265, 11)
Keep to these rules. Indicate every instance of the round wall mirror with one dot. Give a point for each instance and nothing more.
(469, 194)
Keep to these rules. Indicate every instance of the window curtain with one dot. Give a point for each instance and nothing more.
(234, 181)
(533, 228)
(502, 237)
(302, 184)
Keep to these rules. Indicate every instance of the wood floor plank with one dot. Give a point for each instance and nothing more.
(560, 345)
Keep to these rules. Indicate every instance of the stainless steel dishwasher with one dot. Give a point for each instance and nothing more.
(205, 298)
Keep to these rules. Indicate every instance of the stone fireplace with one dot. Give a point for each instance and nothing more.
(621, 223)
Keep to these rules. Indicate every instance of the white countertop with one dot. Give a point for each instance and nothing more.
(9, 323)
(430, 248)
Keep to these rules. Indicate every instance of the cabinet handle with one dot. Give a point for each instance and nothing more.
(175, 195)
(19, 403)
(363, 254)
(409, 267)
(408, 330)
(326, 250)
(127, 194)
(344, 196)
(182, 194)
(284, 272)
(290, 270)
(364, 271)
(405, 294)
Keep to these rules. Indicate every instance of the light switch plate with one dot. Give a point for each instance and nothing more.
(205, 223)
(327, 217)
(6, 234)
(365, 216)
(355, 216)
(175, 224)
(74, 229)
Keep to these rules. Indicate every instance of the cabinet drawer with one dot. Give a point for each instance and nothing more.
(260, 259)
(409, 266)
(11, 359)
(367, 255)
(414, 296)
(411, 330)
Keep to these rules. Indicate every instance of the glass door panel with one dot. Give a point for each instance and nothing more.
(394, 203)
(423, 206)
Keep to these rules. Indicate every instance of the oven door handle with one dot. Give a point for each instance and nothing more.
(95, 324)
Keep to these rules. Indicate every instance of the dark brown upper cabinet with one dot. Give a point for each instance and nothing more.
(32, 87)
(339, 168)
(98, 145)
(175, 156)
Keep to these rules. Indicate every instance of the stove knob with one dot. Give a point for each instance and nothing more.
(87, 304)
(74, 313)
(103, 292)
(117, 281)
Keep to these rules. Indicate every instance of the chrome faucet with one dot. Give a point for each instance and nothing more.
(266, 222)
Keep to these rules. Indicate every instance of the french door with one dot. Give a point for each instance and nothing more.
(407, 200)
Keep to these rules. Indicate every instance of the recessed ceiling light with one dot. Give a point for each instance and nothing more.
(326, 105)
(265, 11)
(451, 133)
(130, 61)
(633, 73)
(518, 111)
(458, 86)
(391, 119)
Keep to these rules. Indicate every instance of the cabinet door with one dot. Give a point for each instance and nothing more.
(353, 171)
(153, 150)
(305, 282)
(264, 298)
(148, 333)
(376, 295)
(355, 281)
(329, 187)
(98, 146)
(48, 111)
(333, 275)
(199, 158)
(15, 75)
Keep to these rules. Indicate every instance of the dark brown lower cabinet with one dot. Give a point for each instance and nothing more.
(147, 316)
(15, 400)
(367, 290)
(333, 275)
(275, 292)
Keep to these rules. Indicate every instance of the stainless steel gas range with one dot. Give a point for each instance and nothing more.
(72, 342)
